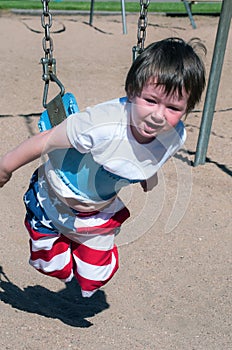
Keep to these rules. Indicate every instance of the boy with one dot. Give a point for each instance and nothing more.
(73, 208)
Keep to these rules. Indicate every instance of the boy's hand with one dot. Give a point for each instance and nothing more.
(4, 175)
(150, 183)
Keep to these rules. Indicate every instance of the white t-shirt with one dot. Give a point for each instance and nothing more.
(104, 133)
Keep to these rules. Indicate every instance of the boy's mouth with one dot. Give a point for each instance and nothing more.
(154, 126)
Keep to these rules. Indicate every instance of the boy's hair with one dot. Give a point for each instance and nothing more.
(172, 63)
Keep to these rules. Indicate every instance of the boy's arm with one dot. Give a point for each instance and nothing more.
(32, 149)
(150, 183)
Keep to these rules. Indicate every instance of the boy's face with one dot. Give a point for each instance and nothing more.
(155, 112)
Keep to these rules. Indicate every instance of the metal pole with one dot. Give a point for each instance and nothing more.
(91, 13)
(123, 17)
(214, 80)
(188, 10)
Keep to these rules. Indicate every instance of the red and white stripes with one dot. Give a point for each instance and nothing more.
(91, 257)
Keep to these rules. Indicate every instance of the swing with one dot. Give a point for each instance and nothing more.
(64, 104)
(59, 108)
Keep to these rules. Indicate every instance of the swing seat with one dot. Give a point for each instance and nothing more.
(68, 106)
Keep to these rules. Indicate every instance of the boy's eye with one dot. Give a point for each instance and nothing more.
(174, 108)
(150, 101)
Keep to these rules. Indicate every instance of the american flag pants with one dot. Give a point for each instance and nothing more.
(65, 243)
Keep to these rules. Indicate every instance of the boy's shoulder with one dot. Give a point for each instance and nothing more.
(180, 129)
(173, 139)
(111, 112)
(109, 107)
(114, 101)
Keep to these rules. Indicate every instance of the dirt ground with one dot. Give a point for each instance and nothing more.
(174, 286)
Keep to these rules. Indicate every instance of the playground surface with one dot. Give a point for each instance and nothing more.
(174, 286)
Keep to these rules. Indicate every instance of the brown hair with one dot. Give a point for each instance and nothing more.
(174, 64)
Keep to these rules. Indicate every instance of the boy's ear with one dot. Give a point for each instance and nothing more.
(129, 96)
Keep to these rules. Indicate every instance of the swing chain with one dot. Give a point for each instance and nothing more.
(46, 21)
(142, 26)
(48, 61)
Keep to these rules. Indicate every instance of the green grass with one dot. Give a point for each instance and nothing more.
(166, 7)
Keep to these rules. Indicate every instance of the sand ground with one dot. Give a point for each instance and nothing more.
(174, 286)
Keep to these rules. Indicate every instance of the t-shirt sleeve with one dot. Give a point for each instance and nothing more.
(78, 130)
(86, 130)
(172, 141)
(93, 128)
(181, 131)
(178, 140)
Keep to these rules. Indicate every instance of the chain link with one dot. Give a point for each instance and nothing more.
(142, 26)
(48, 61)
(46, 21)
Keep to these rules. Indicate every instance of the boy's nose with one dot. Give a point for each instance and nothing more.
(158, 117)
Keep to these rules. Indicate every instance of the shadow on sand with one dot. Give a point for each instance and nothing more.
(66, 305)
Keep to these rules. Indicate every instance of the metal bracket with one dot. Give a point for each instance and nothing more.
(56, 111)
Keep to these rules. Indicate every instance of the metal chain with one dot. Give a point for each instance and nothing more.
(48, 61)
(46, 21)
(142, 26)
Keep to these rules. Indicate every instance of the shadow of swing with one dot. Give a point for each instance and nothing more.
(67, 305)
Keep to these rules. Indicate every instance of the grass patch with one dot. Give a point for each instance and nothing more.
(166, 7)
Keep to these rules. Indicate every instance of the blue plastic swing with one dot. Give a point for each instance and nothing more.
(70, 106)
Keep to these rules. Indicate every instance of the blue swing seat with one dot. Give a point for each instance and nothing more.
(70, 106)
